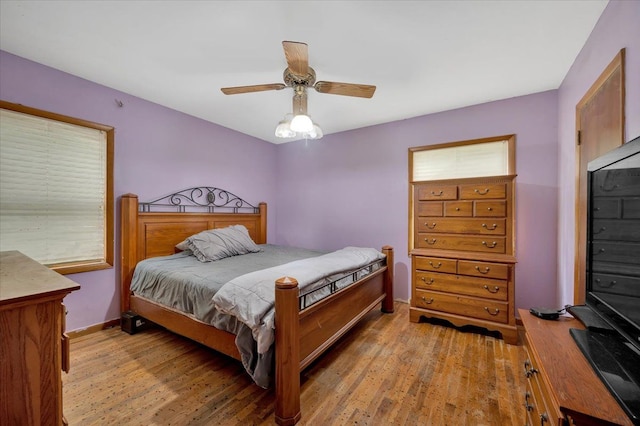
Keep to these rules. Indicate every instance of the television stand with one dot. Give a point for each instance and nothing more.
(617, 364)
(562, 387)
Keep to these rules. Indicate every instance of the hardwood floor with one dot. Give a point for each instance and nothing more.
(386, 371)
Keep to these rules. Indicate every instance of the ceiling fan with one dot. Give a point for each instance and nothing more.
(300, 76)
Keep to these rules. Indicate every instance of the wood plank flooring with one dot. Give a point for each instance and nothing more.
(386, 371)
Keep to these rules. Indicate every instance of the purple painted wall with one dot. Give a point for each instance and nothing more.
(352, 188)
(617, 28)
(157, 151)
(348, 188)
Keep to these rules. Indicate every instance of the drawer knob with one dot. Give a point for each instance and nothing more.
(599, 252)
(486, 270)
(493, 227)
(435, 266)
(427, 301)
(481, 192)
(424, 279)
(457, 209)
(433, 225)
(495, 312)
(489, 245)
(490, 208)
(543, 419)
(494, 290)
(430, 241)
(436, 194)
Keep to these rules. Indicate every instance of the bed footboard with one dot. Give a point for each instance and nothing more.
(302, 336)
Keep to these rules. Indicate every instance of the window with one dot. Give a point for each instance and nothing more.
(56, 189)
(474, 158)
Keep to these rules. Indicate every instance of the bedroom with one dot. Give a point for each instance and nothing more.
(368, 165)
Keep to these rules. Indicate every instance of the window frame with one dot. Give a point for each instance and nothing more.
(84, 265)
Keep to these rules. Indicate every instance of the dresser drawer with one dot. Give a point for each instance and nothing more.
(606, 208)
(437, 192)
(458, 208)
(430, 208)
(489, 209)
(461, 226)
(435, 264)
(488, 244)
(490, 310)
(480, 190)
(610, 251)
(483, 269)
(618, 230)
(480, 287)
(620, 284)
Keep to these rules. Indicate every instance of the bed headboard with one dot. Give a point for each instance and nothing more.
(152, 229)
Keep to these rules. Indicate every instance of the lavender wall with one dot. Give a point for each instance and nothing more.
(617, 28)
(352, 188)
(348, 188)
(157, 151)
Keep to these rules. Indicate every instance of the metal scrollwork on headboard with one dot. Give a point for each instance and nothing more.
(202, 198)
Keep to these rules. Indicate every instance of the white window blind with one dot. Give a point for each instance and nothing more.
(52, 189)
(462, 161)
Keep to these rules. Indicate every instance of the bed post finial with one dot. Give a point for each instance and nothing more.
(287, 352)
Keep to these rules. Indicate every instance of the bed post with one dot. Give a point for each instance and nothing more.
(128, 241)
(287, 352)
(263, 223)
(387, 303)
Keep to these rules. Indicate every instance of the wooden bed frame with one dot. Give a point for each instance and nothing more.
(301, 335)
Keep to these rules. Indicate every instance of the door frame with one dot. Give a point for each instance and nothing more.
(618, 62)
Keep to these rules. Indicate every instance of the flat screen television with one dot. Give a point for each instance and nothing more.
(611, 315)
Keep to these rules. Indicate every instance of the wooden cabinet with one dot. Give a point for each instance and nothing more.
(463, 253)
(562, 387)
(34, 348)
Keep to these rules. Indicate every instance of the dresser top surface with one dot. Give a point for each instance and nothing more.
(573, 381)
(23, 278)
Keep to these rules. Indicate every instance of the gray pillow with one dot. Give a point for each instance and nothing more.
(216, 244)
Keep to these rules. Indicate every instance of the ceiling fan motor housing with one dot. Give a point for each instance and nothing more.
(292, 80)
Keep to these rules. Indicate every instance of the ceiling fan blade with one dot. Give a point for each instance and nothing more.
(249, 89)
(297, 55)
(345, 89)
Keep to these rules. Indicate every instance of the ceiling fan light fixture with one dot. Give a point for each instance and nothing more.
(283, 129)
(316, 132)
(302, 124)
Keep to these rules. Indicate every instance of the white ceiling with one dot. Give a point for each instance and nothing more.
(423, 56)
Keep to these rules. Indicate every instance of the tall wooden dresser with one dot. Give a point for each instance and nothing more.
(34, 348)
(463, 253)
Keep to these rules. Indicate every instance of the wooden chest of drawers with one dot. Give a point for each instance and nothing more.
(462, 243)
